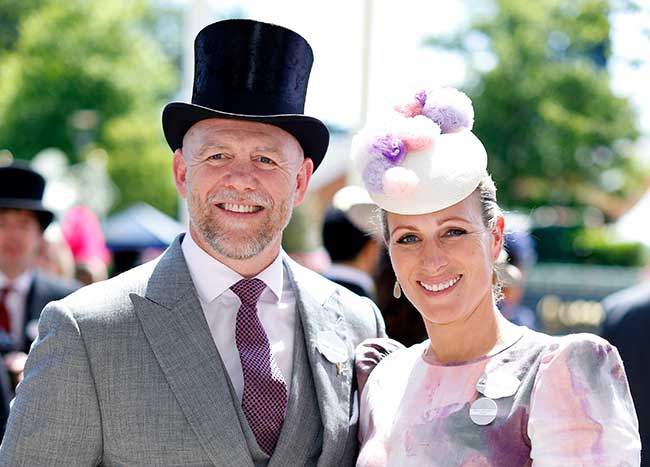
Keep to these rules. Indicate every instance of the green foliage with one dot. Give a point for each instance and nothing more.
(586, 246)
(11, 14)
(546, 114)
(79, 73)
(600, 246)
(142, 159)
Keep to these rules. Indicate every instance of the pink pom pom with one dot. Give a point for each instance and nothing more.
(417, 143)
(418, 132)
(399, 182)
(411, 109)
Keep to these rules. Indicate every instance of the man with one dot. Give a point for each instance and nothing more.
(627, 326)
(223, 352)
(347, 237)
(24, 291)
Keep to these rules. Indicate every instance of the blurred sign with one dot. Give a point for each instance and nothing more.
(566, 297)
(557, 315)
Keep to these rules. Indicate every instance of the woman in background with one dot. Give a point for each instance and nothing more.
(481, 391)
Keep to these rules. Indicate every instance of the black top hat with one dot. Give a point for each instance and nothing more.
(22, 188)
(248, 70)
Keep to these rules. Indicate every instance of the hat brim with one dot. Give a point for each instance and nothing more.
(45, 216)
(311, 133)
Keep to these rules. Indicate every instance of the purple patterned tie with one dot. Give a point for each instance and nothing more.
(265, 391)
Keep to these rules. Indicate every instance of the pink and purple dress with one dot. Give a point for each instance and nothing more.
(546, 401)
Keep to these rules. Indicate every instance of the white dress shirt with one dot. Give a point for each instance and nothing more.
(276, 309)
(16, 301)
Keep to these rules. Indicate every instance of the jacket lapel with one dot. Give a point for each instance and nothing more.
(320, 312)
(174, 324)
(302, 420)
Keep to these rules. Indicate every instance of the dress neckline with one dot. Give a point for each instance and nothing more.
(495, 351)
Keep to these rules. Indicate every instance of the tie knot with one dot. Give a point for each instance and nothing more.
(249, 290)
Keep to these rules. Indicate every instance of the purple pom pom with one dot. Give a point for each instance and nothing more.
(451, 109)
(373, 174)
(421, 96)
(391, 147)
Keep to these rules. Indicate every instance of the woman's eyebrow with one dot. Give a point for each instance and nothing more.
(453, 218)
(405, 227)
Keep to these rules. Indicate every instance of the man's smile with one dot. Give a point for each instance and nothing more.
(240, 208)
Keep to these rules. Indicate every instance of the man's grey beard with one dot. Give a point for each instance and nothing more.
(218, 238)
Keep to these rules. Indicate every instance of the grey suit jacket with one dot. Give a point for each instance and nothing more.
(125, 372)
(43, 289)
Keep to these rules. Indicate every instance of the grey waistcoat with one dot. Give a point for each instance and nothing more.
(302, 416)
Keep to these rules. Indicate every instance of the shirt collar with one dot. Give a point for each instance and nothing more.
(212, 278)
(20, 284)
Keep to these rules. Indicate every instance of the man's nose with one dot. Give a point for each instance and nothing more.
(241, 175)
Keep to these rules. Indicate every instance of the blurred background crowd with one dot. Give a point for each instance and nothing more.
(561, 109)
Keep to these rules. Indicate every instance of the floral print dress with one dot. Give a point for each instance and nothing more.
(545, 401)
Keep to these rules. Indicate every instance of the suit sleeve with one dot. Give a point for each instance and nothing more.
(55, 419)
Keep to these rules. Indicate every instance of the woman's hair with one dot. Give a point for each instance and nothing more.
(490, 211)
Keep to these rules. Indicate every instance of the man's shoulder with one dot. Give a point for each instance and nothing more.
(324, 288)
(112, 292)
(630, 304)
(361, 315)
(351, 286)
(54, 286)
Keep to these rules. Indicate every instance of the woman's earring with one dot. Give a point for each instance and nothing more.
(397, 290)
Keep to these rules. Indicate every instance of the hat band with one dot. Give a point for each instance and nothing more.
(23, 203)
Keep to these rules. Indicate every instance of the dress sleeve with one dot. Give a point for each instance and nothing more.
(581, 410)
(373, 408)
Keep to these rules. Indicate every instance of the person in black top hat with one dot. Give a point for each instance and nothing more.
(223, 351)
(24, 291)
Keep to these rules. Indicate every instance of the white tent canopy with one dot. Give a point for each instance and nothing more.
(634, 225)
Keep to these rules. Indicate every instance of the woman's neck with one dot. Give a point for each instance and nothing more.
(484, 332)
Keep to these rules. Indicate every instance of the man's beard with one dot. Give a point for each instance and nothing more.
(239, 242)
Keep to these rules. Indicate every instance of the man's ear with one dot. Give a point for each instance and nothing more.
(180, 172)
(302, 180)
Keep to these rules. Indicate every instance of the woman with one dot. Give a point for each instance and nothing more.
(480, 391)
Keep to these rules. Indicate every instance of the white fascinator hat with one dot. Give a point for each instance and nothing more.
(423, 157)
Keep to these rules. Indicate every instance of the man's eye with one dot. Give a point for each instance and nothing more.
(266, 160)
(455, 232)
(216, 157)
(408, 238)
